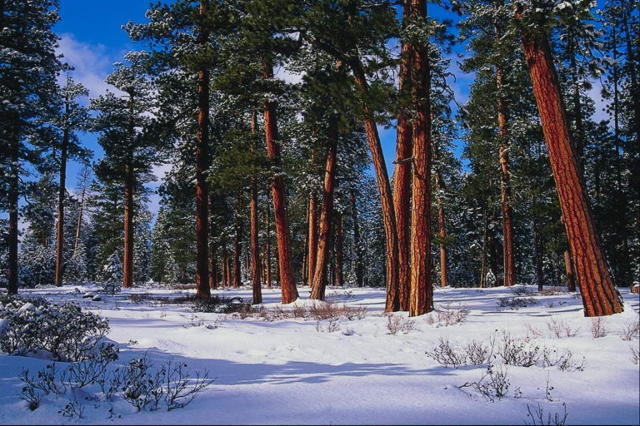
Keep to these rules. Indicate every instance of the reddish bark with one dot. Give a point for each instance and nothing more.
(202, 165)
(599, 294)
(213, 269)
(402, 172)
(384, 189)
(421, 290)
(568, 267)
(505, 184)
(61, 193)
(319, 283)
(312, 237)
(285, 269)
(237, 278)
(253, 225)
(442, 231)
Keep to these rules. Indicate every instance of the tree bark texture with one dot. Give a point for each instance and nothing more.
(312, 237)
(338, 250)
(384, 189)
(421, 290)
(599, 294)
(254, 226)
(61, 195)
(402, 171)
(319, 283)
(285, 269)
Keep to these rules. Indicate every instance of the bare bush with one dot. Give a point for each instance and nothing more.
(448, 315)
(563, 360)
(333, 325)
(560, 328)
(474, 353)
(73, 409)
(533, 332)
(397, 324)
(32, 397)
(521, 290)
(515, 303)
(316, 311)
(45, 380)
(635, 355)
(598, 328)
(630, 330)
(536, 416)
(518, 352)
(494, 384)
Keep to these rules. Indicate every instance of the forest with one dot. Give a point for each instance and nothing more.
(314, 150)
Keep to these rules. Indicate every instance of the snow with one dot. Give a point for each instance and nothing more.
(293, 371)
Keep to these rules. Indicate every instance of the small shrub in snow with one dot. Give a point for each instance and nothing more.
(63, 332)
(563, 360)
(516, 303)
(332, 325)
(560, 328)
(635, 355)
(46, 381)
(521, 290)
(73, 409)
(112, 275)
(31, 397)
(397, 324)
(447, 315)
(598, 328)
(536, 416)
(474, 353)
(518, 352)
(630, 330)
(494, 384)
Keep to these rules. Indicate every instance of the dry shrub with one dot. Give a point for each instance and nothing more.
(474, 353)
(397, 324)
(598, 328)
(630, 330)
(635, 354)
(316, 311)
(560, 328)
(447, 315)
(551, 291)
(515, 303)
(533, 332)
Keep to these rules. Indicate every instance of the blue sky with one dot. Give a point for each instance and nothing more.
(92, 39)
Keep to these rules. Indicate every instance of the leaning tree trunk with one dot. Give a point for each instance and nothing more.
(202, 165)
(338, 251)
(599, 294)
(319, 283)
(12, 262)
(421, 290)
(64, 149)
(285, 269)
(312, 237)
(384, 189)
(402, 172)
(127, 267)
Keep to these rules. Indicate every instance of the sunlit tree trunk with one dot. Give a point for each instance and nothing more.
(254, 226)
(319, 283)
(421, 290)
(384, 189)
(599, 294)
(402, 171)
(285, 269)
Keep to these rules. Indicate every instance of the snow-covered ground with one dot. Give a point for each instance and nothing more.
(295, 371)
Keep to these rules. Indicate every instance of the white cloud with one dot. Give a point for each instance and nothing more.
(91, 63)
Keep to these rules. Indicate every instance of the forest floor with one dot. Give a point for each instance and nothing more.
(301, 370)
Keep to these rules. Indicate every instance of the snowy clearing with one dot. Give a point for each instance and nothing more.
(300, 371)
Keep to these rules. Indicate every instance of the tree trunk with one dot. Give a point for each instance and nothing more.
(402, 172)
(268, 277)
(338, 247)
(213, 269)
(356, 243)
(61, 193)
(12, 262)
(568, 265)
(599, 294)
(484, 264)
(505, 178)
(237, 279)
(253, 223)
(320, 274)
(312, 237)
(421, 290)
(202, 165)
(384, 189)
(285, 269)
(127, 277)
(442, 230)
(85, 183)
